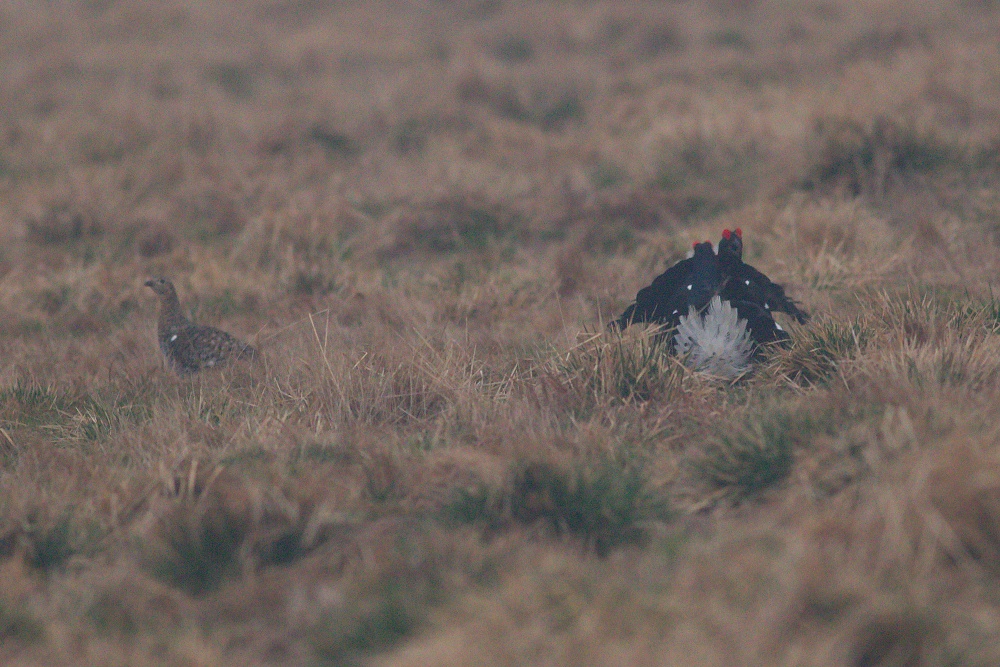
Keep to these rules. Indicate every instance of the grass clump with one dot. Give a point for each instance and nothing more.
(411, 568)
(50, 545)
(235, 79)
(605, 506)
(29, 405)
(896, 637)
(73, 417)
(864, 158)
(119, 609)
(933, 317)
(48, 539)
(335, 144)
(703, 177)
(61, 224)
(457, 224)
(17, 625)
(551, 105)
(212, 526)
(613, 370)
(515, 49)
(548, 105)
(199, 549)
(387, 614)
(111, 616)
(752, 457)
(818, 351)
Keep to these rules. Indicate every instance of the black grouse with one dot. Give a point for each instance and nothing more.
(749, 283)
(189, 347)
(691, 281)
(718, 308)
(707, 331)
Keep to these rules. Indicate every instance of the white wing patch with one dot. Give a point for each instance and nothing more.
(173, 338)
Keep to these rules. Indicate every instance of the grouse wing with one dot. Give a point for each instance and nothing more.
(745, 283)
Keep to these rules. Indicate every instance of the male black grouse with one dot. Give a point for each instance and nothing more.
(668, 297)
(718, 307)
(754, 285)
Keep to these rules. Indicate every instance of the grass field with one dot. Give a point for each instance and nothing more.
(423, 214)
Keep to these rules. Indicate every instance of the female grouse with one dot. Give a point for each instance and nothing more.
(190, 347)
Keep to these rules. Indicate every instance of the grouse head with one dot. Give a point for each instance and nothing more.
(162, 287)
(703, 250)
(704, 279)
(731, 245)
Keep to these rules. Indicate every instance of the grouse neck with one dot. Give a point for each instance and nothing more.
(170, 312)
(728, 261)
(704, 276)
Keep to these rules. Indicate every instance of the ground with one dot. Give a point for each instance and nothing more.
(423, 214)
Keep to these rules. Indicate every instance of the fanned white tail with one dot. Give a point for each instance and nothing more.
(716, 342)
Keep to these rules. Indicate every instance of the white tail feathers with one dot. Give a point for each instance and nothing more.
(716, 342)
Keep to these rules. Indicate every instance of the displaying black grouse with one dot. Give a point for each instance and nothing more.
(757, 288)
(689, 282)
(189, 347)
(718, 307)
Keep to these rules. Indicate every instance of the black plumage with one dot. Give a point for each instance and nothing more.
(745, 283)
(694, 281)
(689, 282)
(190, 347)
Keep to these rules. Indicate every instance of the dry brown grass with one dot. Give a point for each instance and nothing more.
(423, 217)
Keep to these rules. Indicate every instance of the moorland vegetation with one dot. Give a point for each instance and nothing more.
(422, 216)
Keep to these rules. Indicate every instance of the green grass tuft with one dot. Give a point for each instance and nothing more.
(863, 158)
(17, 625)
(49, 542)
(817, 351)
(199, 549)
(605, 506)
(755, 456)
(387, 615)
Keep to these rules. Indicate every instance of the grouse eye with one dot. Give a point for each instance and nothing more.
(726, 234)
(738, 232)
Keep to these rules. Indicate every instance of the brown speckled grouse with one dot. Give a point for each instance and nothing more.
(189, 347)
